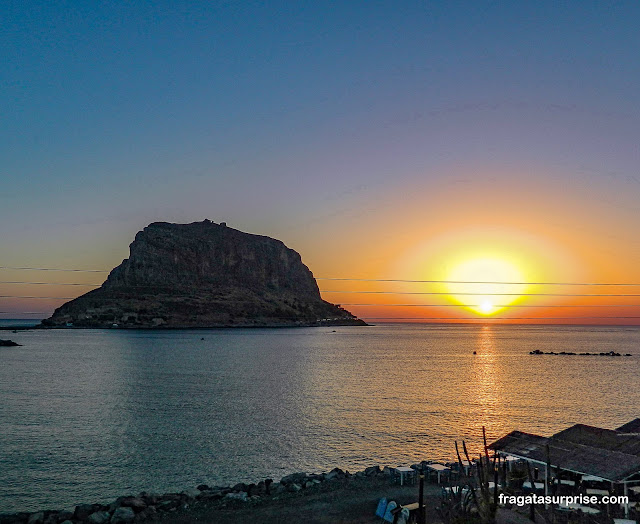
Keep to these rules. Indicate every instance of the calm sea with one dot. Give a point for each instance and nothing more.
(88, 415)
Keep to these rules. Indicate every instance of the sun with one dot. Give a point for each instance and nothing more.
(486, 307)
(486, 285)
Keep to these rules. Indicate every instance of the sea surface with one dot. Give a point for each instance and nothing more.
(89, 415)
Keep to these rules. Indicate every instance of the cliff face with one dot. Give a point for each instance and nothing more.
(203, 275)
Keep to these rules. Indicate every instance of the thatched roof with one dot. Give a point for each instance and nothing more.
(609, 454)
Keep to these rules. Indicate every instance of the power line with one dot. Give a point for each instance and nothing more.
(453, 293)
(49, 283)
(479, 305)
(78, 270)
(499, 305)
(485, 319)
(480, 282)
(55, 269)
(428, 305)
(47, 298)
(358, 292)
(22, 313)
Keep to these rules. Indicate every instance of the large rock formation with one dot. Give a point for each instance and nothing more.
(204, 275)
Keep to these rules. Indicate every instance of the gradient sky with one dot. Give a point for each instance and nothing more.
(378, 139)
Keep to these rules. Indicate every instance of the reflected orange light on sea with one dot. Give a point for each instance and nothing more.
(486, 382)
(486, 387)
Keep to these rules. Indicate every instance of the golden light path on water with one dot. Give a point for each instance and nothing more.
(486, 376)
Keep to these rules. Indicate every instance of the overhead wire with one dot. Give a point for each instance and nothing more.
(346, 279)
(479, 282)
(376, 292)
(49, 283)
(76, 270)
(481, 320)
(484, 294)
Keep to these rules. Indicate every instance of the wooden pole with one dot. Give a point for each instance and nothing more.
(547, 470)
(421, 513)
(532, 510)
(495, 485)
(486, 448)
(626, 504)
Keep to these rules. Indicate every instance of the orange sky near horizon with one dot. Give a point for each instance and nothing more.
(527, 238)
(503, 230)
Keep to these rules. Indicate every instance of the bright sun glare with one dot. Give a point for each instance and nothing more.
(479, 283)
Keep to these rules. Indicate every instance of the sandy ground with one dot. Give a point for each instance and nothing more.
(354, 501)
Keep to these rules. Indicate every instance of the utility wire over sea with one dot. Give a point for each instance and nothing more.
(369, 292)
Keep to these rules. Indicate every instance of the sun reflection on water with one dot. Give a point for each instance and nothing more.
(487, 382)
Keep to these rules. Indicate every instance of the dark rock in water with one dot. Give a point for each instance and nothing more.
(8, 343)
(116, 504)
(335, 473)
(99, 517)
(373, 470)
(14, 518)
(51, 517)
(240, 486)
(65, 515)
(242, 495)
(204, 275)
(294, 478)
(122, 515)
(211, 495)
(84, 510)
(584, 354)
(36, 518)
(135, 503)
(191, 493)
(167, 505)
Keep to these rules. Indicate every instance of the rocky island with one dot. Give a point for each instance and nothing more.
(203, 275)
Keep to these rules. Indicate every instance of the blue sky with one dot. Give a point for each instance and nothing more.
(328, 125)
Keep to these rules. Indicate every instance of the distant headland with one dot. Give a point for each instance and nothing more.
(202, 275)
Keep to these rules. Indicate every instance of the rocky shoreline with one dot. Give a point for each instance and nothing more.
(150, 507)
(235, 325)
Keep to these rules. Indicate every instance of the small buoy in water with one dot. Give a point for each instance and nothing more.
(202, 338)
(474, 352)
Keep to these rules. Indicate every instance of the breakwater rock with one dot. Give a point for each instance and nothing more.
(607, 354)
(203, 275)
(150, 507)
